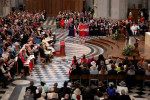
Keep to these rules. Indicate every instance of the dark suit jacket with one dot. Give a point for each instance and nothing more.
(32, 88)
(20, 63)
(38, 95)
(85, 71)
(112, 72)
(88, 96)
(42, 53)
(124, 97)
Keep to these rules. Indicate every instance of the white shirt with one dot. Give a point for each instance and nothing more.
(66, 21)
(134, 28)
(108, 67)
(3, 70)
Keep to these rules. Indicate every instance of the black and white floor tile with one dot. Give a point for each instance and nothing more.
(50, 21)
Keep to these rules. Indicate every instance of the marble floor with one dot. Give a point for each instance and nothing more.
(57, 70)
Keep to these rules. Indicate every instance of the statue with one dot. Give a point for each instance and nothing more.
(130, 18)
(95, 8)
(142, 19)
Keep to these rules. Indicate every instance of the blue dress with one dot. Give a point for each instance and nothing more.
(71, 30)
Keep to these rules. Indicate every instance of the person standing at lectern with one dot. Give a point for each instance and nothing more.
(127, 29)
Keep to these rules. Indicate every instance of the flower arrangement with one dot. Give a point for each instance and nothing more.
(128, 50)
(116, 35)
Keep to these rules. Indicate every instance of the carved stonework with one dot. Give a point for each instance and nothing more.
(145, 4)
(1, 9)
(5, 3)
(95, 8)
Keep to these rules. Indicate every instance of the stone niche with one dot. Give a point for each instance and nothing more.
(4, 7)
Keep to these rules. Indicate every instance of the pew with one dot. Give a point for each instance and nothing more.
(116, 78)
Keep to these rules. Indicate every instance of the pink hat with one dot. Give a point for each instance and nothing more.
(92, 55)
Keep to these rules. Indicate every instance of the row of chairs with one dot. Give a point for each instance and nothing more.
(116, 78)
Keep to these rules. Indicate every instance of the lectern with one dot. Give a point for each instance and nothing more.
(62, 48)
(147, 39)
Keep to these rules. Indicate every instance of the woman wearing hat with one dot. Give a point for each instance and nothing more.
(122, 86)
(76, 94)
(93, 66)
(52, 94)
(90, 60)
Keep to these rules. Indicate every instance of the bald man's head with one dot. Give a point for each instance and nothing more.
(123, 92)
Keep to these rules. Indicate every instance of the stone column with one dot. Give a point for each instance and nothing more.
(145, 2)
(119, 9)
(1, 8)
(6, 7)
(103, 8)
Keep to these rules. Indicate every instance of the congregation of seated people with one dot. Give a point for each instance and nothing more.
(22, 39)
(110, 66)
(83, 24)
(76, 91)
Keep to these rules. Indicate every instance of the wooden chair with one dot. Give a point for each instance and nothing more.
(75, 77)
(95, 77)
(85, 78)
(140, 78)
(120, 77)
(102, 77)
(146, 79)
(42, 59)
(112, 77)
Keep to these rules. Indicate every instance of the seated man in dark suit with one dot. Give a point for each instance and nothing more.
(123, 96)
(85, 71)
(3, 77)
(112, 71)
(88, 95)
(42, 52)
(64, 90)
(32, 88)
(38, 95)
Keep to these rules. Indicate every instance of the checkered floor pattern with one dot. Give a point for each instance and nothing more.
(138, 92)
(55, 72)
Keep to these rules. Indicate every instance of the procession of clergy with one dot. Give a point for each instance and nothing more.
(83, 24)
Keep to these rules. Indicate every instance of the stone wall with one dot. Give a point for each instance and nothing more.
(112, 9)
(1, 8)
(103, 9)
(4, 7)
